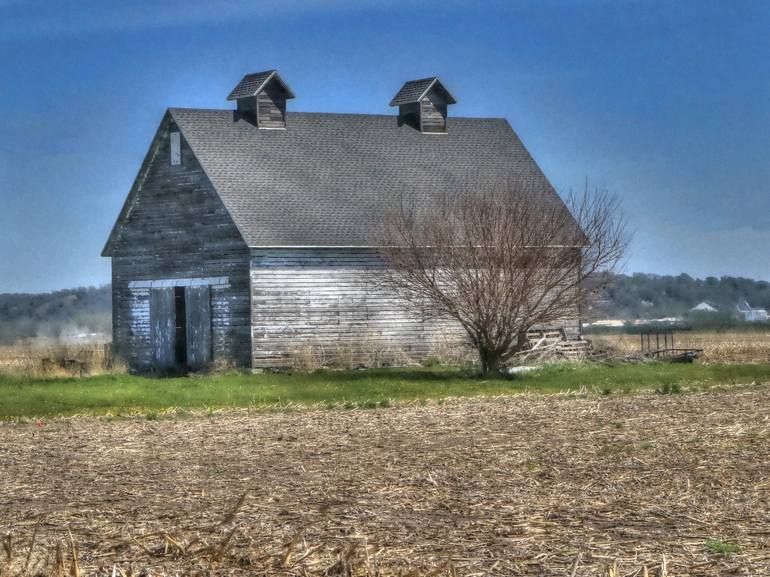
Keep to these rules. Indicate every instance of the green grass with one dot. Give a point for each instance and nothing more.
(722, 547)
(370, 389)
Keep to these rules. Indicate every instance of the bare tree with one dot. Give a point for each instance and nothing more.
(501, 260)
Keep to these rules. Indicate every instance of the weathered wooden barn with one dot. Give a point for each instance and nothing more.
(246, 238)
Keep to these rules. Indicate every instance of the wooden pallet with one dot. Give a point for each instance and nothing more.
(575, 349)
(554, 341)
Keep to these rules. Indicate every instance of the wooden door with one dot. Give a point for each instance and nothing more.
(163, 328)
(198, 313)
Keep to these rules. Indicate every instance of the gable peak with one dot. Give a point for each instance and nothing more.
(414, 91)
(255, 82)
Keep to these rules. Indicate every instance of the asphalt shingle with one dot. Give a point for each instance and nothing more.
(414, 90)
(253, 83)
(330, 179)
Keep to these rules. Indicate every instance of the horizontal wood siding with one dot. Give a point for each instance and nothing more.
(176, 227)
(433, 111)
(327, 300)
(271, 107)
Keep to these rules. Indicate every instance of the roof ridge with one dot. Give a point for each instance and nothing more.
(254, 82)
(326, 113)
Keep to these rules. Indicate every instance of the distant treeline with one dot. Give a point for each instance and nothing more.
(650, 296)
(66, 314)
(72, 313)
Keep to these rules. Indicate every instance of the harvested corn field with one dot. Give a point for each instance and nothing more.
(673, 485)
(718, 346)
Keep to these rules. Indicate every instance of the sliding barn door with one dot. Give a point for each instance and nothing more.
(163, 328)
(198, 312)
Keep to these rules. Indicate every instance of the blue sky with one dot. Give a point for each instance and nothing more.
(666, 104)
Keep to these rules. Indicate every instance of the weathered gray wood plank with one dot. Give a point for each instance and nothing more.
(162, 327)
(198, 327)
(330, 300)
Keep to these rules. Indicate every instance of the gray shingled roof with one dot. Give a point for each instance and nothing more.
(329, 179)
(253, 83)
(415, 90)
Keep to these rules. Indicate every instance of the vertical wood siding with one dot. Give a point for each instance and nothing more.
(198, 311)
(177, 227)
(162, 328)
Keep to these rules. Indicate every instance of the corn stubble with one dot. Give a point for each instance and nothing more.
(624, 486)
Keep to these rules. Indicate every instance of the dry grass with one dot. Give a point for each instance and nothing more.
(36, 361)
(374, 352)
(369, 352)
(718, 347)
(633, 485)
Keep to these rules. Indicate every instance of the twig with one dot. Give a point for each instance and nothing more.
(75, 567)
(575, 565)
(31, 546)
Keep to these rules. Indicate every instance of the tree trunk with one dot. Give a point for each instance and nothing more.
(521, 341)
(490, 362)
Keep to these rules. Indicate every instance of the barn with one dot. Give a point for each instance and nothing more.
(246, 239)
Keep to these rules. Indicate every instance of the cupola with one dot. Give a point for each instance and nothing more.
(261, 99)
(422, 104)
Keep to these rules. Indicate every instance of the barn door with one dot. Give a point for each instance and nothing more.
(163, 328)
(198, 316)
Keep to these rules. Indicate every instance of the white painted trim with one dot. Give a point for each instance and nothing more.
(176, 148)
(262, 86)
(218, 281)
(425, 93)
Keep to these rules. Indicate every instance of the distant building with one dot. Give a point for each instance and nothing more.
(606, 323)
(703, 307)
(750, 314)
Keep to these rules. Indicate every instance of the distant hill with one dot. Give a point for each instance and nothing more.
(70, 314)
(650, 296)
(76, 313)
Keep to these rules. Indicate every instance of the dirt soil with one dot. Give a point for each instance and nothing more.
(519, 486)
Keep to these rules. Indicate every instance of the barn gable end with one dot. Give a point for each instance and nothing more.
(175, 234)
